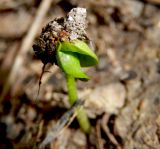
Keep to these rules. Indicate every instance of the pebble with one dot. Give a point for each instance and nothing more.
(107, 98)
(13, 24)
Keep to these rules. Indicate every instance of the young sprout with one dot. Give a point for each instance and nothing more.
(62, 42)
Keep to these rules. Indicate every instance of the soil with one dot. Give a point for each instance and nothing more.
(122, 98)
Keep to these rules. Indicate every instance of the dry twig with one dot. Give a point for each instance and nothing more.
(99, 138)
(62, 123)
(107, 131)
(26, 44)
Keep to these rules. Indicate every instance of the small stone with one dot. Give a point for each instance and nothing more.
(79, 138)
(31, 114)
(131, 9)
(13, 24)
(153, 35)
(108, 98)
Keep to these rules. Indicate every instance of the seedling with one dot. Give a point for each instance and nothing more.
(63, 42)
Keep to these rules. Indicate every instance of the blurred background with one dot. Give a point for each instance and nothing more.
(122, 96)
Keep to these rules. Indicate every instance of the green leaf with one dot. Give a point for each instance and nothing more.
(85, 55)
(69, 63)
